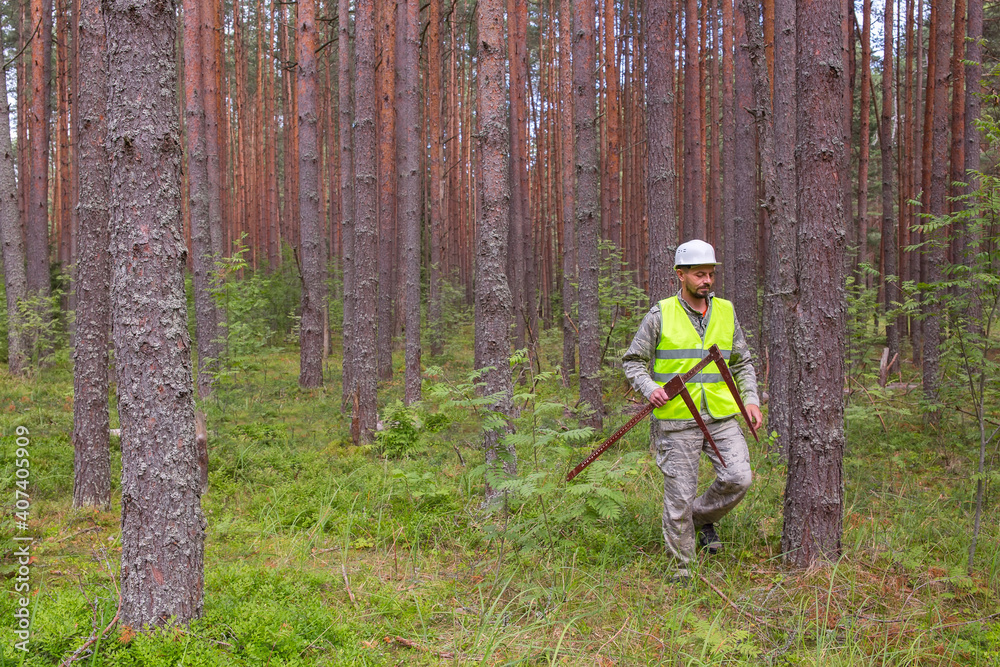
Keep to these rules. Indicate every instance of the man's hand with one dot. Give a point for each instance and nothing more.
(659, 397)
(756, 418)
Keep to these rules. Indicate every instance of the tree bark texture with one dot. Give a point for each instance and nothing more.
(864, 148)
(364, 400)
(92, 459)
(959, 240)
(346, 148)
(973, 72)
(588, 222)
(694, 169)
(202, 261)
(493, 298)
(36, 224)
(941, 18)
(520, 223)
(568, 184)
(408, 69)
(311, 229)
(163, 530)
(12, 243)
(813, 507)
(887, 146)
(437, 183)
(387, 185)
(210, 12)
(777, 148)
(745, 229)
(729, 181)
(661, 198)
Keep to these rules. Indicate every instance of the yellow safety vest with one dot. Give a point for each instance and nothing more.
(681, 347)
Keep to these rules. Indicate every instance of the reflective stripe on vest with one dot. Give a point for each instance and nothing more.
(680, 348)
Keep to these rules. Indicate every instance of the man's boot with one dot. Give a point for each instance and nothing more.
(708, 539)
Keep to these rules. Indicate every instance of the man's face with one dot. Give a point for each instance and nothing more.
(697, 281)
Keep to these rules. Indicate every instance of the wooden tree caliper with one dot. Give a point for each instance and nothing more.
(677, 387)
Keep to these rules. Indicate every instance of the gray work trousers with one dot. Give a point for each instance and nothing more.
(677, 455)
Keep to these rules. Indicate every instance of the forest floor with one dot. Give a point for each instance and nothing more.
(322, 553)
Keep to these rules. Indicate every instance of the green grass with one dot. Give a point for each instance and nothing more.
(300, 520)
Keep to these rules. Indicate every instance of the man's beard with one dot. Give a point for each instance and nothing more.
(699, 292)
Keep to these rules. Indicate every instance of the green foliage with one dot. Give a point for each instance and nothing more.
(623, 302)
(257, 308)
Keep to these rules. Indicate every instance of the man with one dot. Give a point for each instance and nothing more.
(675, 335)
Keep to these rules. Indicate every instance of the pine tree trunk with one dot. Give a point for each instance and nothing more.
(517, 120)
(366, 224)
(864, 152)
(813, 508)
(36, 224)
(890, 267)
(311, 229)
(92, 462)
(694, 176)
(437, 183)
(212, 105)
(613, 112)
(567, 171)
(493, 299)
(588, 222)
(387, 185)
(745, 231)
(973, 72)
(729, 181)
(941, 24)
(347, 192)
(778, 165)
(408, 69)
(959, 240)
(163, 530)
(197, 179)
(661, 202)
(12, 244)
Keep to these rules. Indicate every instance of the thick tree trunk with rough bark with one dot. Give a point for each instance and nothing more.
(777, 157)
(211, 26)
(864, 149)
(887, 146)
(364, 399)
(346, 200)
(814, 502)
(745, 230)
(163, 530)
(729, 181)
(12, 243)
(202, 261)
(493, 299)
(520, 224)
(694, 170)
(568, 173)
(959, 240)
(92, 461)
(973, 72)
(941, 25)
(408, 69)
(387, 185)
(36, 223)
(311, 228)
(437, 183)
(661, 197)
(588, 223)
